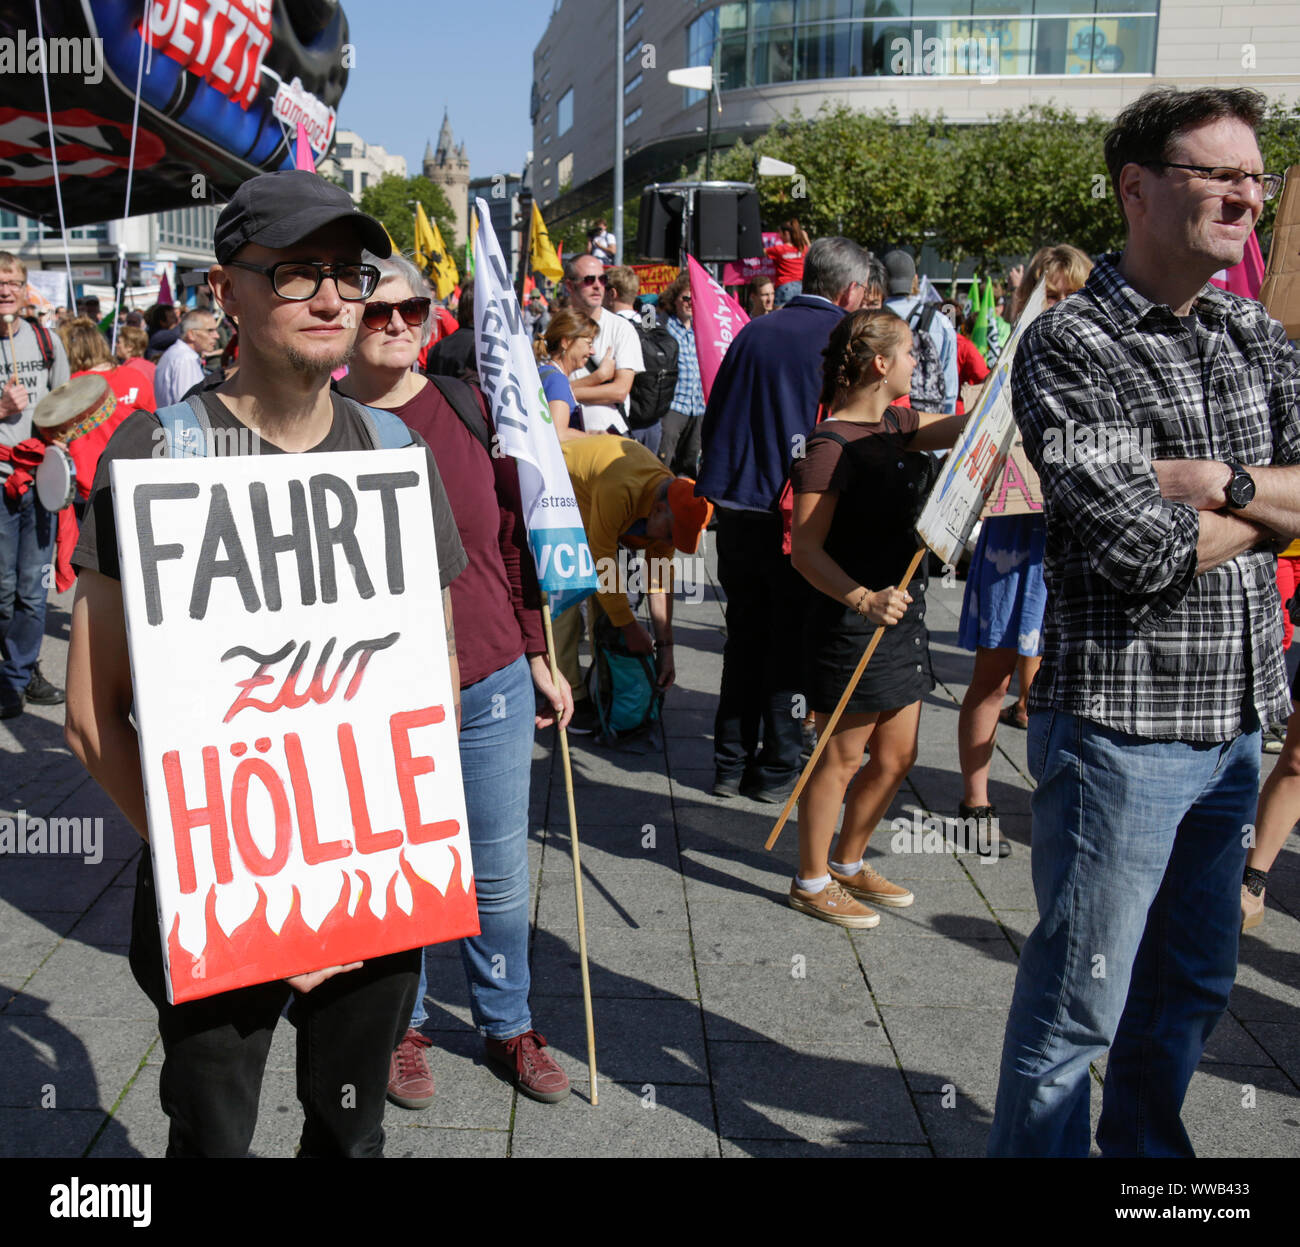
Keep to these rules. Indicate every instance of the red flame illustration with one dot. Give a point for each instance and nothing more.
(254, 953)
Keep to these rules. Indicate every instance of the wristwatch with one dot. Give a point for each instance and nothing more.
(1241, 489)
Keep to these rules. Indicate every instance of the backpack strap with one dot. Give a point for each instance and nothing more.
(922, 315)
(460, 395)
(186, 426)
(385, 429)
(43, 344)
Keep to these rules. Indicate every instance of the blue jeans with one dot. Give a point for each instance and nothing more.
(496, 753)
(27, 532)
(786, 291)
(1137, 861)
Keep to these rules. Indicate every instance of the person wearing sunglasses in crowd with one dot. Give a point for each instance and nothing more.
(679, 446)
(602, 391)
(502, 661)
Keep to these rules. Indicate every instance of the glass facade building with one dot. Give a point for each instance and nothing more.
(761, 42)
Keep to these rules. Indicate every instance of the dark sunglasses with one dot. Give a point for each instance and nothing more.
(592, 278)
(413, 311)
(299, 280)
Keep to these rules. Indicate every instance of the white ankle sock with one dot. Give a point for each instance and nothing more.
(848, 869)
(812, 885)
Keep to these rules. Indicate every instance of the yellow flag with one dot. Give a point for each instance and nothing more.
(542, 258)
(396, 250)
(431, 256)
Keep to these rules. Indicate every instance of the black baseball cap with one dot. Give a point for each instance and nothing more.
(277, 210)
(900, 272)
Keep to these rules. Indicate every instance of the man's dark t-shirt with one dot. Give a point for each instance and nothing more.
(140, 436)
(453, 356)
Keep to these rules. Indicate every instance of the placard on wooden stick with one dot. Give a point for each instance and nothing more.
(295, 712)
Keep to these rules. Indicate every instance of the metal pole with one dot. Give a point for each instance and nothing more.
(618, 135)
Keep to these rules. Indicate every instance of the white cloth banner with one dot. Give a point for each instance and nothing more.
(507, 372)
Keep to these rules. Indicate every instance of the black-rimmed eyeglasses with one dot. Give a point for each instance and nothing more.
(1221, 179)
(299, 280)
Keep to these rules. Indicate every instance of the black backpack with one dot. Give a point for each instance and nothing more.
(652, 390)
(927, 392)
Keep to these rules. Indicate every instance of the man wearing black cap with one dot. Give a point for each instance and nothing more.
(289, 248)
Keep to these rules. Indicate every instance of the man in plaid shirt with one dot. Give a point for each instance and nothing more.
(1163, 416)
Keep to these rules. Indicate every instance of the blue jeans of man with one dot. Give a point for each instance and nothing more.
(1138, 850)
(648, 437)
(496, 751)
(27, 533)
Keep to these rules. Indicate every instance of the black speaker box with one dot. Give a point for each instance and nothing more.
(660, 234)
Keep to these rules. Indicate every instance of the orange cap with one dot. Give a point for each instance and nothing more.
(690, 514)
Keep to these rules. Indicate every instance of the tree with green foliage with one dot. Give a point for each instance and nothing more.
(389, 201)
(1003, 187)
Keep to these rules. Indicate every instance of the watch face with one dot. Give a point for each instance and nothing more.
(1242, 489)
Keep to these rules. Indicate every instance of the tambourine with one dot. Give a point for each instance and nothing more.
(56, 478)
(76, 407)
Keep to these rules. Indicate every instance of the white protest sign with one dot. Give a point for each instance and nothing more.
(968, 472)
(295, 712)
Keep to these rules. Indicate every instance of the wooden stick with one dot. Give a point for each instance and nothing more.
(825, 734)
(577, 861)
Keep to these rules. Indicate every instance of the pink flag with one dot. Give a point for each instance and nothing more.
(1245, 278)
(302, 158)
(718, 318)
(164, 292)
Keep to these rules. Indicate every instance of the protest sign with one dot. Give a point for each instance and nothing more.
(741, 272)
(295, 712)
(980, 455)
(1280, 292)
(655, 278)
(1017, 489)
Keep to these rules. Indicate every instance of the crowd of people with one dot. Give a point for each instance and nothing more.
(1136, 593)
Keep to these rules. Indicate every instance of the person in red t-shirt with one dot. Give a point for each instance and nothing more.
(971, 368)
(787, 256)
(502, 664)
(132, 390)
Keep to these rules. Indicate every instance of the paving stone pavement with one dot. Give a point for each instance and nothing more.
(726, 1023)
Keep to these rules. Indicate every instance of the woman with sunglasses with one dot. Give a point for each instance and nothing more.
(565, 347)
(502, 658)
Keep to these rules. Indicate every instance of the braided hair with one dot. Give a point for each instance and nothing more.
(854, 344)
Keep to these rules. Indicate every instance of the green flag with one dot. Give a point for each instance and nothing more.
(979, 333)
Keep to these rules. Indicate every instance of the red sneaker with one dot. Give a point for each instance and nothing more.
(528, 1067)
(410, 1084)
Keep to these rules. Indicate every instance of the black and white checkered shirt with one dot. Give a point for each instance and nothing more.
(1134, 638)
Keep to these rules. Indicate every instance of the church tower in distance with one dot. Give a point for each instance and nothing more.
(448, 167)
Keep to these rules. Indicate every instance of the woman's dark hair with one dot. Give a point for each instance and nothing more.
(854, 344)
(160, 316)
(568, 322)
(796, 234)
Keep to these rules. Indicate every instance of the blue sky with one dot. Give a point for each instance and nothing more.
(475, 57)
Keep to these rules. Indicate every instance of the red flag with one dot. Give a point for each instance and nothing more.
(165, 292)
(302, 158)
(1245, 278)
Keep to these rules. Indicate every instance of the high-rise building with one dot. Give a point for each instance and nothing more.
(969, 58)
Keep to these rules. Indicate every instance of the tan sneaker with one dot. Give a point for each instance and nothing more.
(833, 904)
(871, 885)
(1252, 908)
